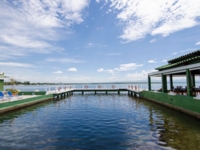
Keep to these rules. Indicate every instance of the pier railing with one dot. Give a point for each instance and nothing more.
(63, 88)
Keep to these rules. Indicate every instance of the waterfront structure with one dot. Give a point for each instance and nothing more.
(179, 98)
(2, 77)
(186, 65)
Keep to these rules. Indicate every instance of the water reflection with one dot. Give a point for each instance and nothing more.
(98, 122)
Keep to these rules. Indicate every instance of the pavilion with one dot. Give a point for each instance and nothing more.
(187, 65)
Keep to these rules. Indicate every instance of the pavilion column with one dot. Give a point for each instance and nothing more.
(189, 82)
(171, 82)
(149, 83)
(164, 83)
(193, 80)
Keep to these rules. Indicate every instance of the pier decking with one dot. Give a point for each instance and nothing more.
(63, 94)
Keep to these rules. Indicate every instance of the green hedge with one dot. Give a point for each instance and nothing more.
(32, 93)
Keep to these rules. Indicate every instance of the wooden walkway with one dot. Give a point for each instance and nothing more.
(63, 94)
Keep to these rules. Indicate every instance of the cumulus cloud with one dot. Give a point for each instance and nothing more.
(139, 75)
(58, 72)
(104, 70)
(72, 69)
(140, 18)
(151, 61)
(122, 67)
(126, 67)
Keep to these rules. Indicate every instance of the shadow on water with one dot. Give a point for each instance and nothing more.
(99, 121)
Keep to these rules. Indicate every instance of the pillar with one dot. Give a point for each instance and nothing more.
(149, 83)
(193, 80)
(171, 82)
(189, 82)
(164, 83)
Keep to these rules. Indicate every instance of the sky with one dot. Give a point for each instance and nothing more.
(75, 41)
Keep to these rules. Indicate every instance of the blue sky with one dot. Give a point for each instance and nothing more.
(94, 40)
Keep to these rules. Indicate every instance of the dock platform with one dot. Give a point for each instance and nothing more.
(63, 94)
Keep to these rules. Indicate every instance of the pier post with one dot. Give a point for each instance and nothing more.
(119, 92)
(95, 92)
(82, 93)
(106, 92)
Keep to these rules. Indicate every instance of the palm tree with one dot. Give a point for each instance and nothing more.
(12, 81)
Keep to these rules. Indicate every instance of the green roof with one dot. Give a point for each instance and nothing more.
(180, 63)
(184, 57)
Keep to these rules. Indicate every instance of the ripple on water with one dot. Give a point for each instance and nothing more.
(97, 122)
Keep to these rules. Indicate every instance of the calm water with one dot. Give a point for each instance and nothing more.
(99, 122)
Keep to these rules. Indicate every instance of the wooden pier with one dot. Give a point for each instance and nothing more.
(63, 94)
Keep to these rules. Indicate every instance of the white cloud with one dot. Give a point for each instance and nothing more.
(104, 70)
(140, 18)
(126, 67)
(58, 72)
(63, 60)
(139, 76)
(14, 64)
(153, 40)
(122, 67)
(198, 43)
(151, 61)
(164, 60)
(23, 41)
(174, 53)
(32, 25)
(72, 69)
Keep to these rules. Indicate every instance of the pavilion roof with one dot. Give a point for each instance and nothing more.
(187, 56)
(190, 58)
